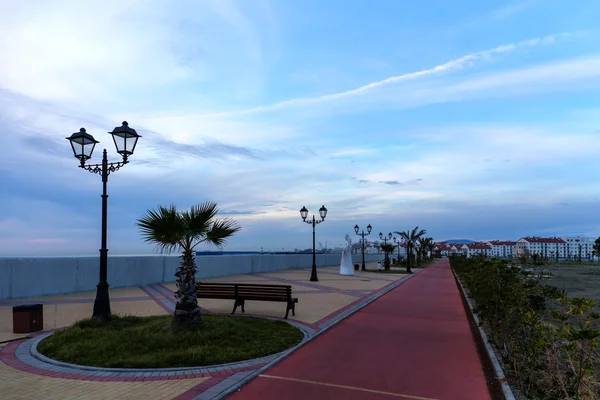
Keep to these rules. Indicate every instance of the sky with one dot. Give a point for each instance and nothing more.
(470, 119)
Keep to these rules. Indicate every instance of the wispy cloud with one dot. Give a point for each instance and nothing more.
(468, 60)
(513, 8)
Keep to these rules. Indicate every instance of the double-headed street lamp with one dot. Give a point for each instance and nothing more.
(83, 144)
(322, 214)
(356, 229)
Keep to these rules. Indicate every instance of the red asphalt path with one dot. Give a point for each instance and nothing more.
(412, 343)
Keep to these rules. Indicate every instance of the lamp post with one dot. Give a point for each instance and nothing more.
(83, 144)
(400, 242)
(356, 229)
(322, 214)
(385, 239)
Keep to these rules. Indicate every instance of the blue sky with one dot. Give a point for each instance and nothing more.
(471, 119)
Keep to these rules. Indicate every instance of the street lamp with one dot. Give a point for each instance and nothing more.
(356, 229)
(83, 144)
(385, 239)
(322, 214)
(400, 242)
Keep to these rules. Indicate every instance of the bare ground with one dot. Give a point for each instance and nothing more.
(577, 280)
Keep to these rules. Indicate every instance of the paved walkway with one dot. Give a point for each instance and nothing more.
(412, 343)
(24, 377)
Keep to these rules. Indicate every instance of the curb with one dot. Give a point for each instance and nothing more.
(234, 375)
(508, 394)
(341, 317)
(86, 370)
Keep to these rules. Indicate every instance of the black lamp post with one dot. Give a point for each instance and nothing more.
(83, 144)
(385, 239)
(399, 241)
(322, 214)
(356, 229)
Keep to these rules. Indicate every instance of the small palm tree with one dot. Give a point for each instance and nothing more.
(424, 246)
(431, 247)
(411, 238)
(387, 249)
(171, 230)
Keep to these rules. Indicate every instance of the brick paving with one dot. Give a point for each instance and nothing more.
(25, 374)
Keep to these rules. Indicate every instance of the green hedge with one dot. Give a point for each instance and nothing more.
(548, 342)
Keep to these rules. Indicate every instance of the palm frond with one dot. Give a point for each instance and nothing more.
(164, 227)
(199, 217)
(220, 230)
(404, 235)
(416, 233)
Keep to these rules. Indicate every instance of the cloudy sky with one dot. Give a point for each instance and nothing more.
(471, 119)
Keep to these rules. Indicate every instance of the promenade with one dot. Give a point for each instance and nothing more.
(412, 343)
(23, 377)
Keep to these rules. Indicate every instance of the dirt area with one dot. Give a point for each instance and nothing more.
(577, 280)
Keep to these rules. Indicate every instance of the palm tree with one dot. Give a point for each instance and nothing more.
(171, 230)
(387, 249)
(431, 247)
(425, 244)
(410, 238)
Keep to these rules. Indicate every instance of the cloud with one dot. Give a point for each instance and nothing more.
(468, 60)
(193, 43)
(397, 152)
(513, 8)
(234, 212)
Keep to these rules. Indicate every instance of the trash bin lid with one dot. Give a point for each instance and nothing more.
(28, 307)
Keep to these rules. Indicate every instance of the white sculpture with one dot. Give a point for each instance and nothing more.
(346, 267)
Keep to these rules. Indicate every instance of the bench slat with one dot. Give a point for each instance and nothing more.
(240, 292)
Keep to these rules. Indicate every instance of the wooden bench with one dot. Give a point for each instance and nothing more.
(240, 292)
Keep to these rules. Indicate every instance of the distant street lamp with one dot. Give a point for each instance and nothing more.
(356, 229)
(385, 239)
(83, 144)
(400, 242)
(322, 214)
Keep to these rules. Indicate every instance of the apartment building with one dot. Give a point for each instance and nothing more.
(443, 248)
(553, 247)
(478, 248)
(502, 248)
(578, 246)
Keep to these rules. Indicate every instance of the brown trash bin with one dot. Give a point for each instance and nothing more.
(28, 318)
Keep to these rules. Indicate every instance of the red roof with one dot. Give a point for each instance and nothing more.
(479, 246)
(543, 240)
(502, 243)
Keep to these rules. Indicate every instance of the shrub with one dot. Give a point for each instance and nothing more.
(549, 349)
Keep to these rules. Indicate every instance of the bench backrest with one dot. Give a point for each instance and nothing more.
(243, 290)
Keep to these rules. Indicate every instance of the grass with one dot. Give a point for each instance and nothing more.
(390, 271)
(154, 342)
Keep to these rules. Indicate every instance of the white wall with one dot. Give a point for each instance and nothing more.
(32, 277)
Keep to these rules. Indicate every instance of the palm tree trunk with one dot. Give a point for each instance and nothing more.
(187, 310)
(408, 259)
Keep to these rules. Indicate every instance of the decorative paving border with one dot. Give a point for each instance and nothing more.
(27, 353)
(223, 379)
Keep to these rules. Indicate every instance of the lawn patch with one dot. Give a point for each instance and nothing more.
(154, 342)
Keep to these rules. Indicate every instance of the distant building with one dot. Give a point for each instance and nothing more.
(502, 248)
(456, 249)
(552, 247)
(476, 249)
(442, 248)
(578, 246)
